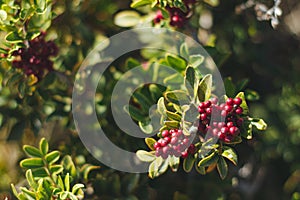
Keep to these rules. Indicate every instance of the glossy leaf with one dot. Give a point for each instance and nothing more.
(196, 60)
(178, 97)
(204, 88)
(32, 151)
(32, 163)
(172, 124)
(52, 157)
(175, 62)
(145, 156)
(188, 163)
(184, 51)
(260, 124)
(174, 163)
(244, 104)
(150, 142)
(56, 169)
(173, 116)
(208, 160)
(230, 154)
(39, 172)
(86, 169)
(44, 146)
(13, 37)
(189, 80)
(76, 187)
(139, 3)
(146, 127)
(30, 179)
(154, 167)
(222, 168)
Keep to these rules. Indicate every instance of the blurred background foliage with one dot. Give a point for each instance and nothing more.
(242, 46)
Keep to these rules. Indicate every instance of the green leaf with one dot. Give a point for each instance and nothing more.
(229, 87)
(155, 91)
(209, 160)
(246, 130)
(174, 163)
(76, 187)
(127, 18)
(161, 108)
(14, 190)
(13, 37)
(184, 51)
(230, 154)
(173, 116)
(86, 169)
(178, 97)
(39, 172)
(260, 124)
(196, 60)
(32, 163)
(150, 142)
(139, 3)
(222, 168)
(244, 103)
(172, 124)
(28, 194)
(145, 156)
(56, 169)
(189, 80)
(200, 170)
(188, 163)
(44, 146)
(176, 62)
(142, 100)
(155, 166)
(67, 182)
(60, 183)
(32, 151)
(204, 88)
(52, 157)
(30, 179)
(146, 127)
(64, 195)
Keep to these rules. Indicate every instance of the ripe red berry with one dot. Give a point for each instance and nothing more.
(233, 130)
(237, 101)
(174, 140)
(207, 104)
(203, 116)
(156, 145)
(214, 100)
(184, 154)
(229, 124)
(224, 130)
(239, 110)
(208, 110)
(230, 102)
(167, 139)
(228, 108)
(191, 149)
(165, 133)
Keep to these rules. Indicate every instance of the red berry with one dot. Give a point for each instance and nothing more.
(224, 130)
(229, 124)
(237, 101)
(208, 110)
(191, 149)
(228, 108)
(202, 105)
(224, 113)
(156, 145)
(239, 110)
(203, 116)
(229, 101)
(167, 139)
(174, 140)
(233, 130)
(214, 100)
(207, 104)
(184, 154)
(165, 133)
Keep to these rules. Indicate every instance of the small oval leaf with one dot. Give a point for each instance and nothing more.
(52, 157)
(32, 151)
(32, 163)
(145, 156)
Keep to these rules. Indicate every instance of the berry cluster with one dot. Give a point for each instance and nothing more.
(174, 142)
(178, 17)
(231, 111)
(35, 58)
